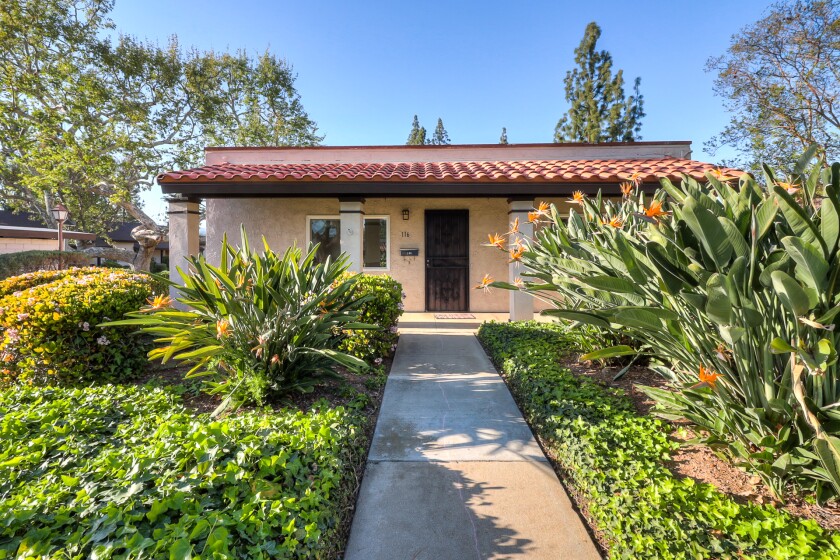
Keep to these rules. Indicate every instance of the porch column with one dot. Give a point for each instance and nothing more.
(352, 211)
(521, 304)
(183, 236)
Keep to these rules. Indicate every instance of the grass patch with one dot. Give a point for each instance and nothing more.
(121, 471)
(616, 461)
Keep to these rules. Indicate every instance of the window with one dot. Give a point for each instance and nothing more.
(376, 243)
(325, 230)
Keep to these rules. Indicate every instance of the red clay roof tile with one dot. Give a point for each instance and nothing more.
(560, 171)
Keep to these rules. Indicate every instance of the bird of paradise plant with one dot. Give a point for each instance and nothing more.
(742, 279)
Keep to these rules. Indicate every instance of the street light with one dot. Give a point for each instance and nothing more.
(59, 213)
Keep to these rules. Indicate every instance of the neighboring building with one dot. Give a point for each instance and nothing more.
(19, 232)
(418, 213)
(120, 237)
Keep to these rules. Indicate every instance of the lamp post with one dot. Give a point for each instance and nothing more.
(59, 213)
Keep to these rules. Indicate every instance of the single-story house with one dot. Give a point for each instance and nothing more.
(19, 232)
(418, 213)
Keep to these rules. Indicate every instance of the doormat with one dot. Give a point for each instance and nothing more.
(454, 316)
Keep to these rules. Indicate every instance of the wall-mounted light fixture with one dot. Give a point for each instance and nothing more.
(405, 214)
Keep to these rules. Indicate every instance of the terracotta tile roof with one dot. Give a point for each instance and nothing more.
(528, 171)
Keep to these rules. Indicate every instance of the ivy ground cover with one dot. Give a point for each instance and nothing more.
(616, 461)
(128, 472)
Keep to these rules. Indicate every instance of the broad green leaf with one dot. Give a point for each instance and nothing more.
(790, 292)
(578, 317)
(812, 268)
(611, 352)
(709, 232)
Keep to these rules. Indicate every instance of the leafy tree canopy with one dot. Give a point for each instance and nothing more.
(598, 109)
(89, 118)
(779, 81)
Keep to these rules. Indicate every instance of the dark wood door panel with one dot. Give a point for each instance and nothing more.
(447, 260)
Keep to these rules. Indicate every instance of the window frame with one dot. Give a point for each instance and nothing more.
(387, 267)
(309, 219)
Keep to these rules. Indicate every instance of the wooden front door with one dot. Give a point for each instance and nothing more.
(447, 260)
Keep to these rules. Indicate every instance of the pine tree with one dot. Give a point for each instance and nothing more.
(503, 137)
(417, 136)
(440, 137)
(598, 110)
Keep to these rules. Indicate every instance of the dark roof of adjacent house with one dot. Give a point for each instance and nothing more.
(23, 226)
(19, 219)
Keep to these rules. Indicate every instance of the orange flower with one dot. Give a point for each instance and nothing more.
(485, 283)
(516, 254)
(519, 282)
(275, 359)
(534, 217)
(577, 197)
(721, 176)
(8, 357)
(543, 208)
(655, 211)
(627, 188)
(615, 222)
(636, 179)
(496, 240)
(791, 188)
(158, 303)
(514, 227)
(708, 377)
(222, 328)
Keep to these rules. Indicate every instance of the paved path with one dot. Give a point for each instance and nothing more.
(454, 471)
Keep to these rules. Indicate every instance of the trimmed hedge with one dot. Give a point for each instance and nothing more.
(49, 333)
(383, 308)
(127, 472)
(30, 279)
(616, 460)
(13, 264)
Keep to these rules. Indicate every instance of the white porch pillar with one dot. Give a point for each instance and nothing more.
(352, 212)
(183, 236)
(521, 304)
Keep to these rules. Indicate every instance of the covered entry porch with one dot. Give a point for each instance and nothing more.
(421, 214)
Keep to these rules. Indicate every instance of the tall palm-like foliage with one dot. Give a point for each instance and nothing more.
(259, 324)
(735, 288)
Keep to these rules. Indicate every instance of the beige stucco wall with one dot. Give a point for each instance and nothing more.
(283, 222)
(16, 245)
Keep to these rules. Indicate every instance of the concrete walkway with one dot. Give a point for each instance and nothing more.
(454, 471)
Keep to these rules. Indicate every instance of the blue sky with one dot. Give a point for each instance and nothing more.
(365, 68)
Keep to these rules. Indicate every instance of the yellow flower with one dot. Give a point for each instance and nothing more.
(222, 328)
(485, 283)
(577, 197)
(516, 253)
(627, 188)
(655, 211)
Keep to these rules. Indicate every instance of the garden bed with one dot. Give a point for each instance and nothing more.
(142, 469)
(700, 462)
(616, 462)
